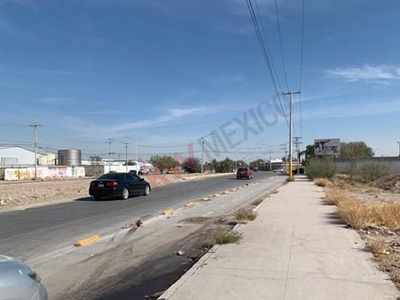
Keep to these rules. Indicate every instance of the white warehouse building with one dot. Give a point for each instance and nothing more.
(18, 157)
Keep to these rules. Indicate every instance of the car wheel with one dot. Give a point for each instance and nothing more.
(125, 194)
(146, 190)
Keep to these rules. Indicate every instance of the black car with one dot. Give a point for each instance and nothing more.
(121, 185)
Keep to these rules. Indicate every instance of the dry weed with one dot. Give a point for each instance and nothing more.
(322, 182)
(360, 214)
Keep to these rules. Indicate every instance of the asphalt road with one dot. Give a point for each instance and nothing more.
(33, 232)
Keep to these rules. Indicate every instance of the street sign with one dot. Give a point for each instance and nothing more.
(327, 147)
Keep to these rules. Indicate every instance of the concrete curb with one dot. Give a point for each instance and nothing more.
(185, 277)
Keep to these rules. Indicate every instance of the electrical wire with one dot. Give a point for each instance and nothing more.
(265, 54)
(281, 44)
(301, 63)
(262, 26)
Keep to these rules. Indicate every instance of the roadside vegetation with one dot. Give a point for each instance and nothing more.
(321, 168)
(368, 200)
(192, 165)
(322, 182)
(164, 162)
(362, 214)
(369, 172)
(245, 214)
(229, 237)
(258, 201)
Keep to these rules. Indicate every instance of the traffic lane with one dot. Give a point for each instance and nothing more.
(15, 222)
(25, 234)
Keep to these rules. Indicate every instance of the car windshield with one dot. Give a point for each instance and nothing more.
(242, 169)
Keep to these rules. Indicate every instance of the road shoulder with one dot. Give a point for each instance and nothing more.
(295, 249)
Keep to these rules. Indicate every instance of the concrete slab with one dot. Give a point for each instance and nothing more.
(296, 249)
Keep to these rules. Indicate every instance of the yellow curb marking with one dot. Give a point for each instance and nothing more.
(206, 199)
(87, 241)
(189, 204)
(168, 212)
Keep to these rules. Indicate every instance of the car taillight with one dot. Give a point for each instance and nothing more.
(92, 184)
(112, 183)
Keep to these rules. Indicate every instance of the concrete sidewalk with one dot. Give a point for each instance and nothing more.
(296, 249)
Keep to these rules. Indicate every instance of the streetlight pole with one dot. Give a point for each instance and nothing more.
(35, 143)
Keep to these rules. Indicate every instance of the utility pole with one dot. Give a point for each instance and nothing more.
(136, 153)
(270, 160)
(109, 142)
(126, 157)
(35, 143)
(202, 141)
(399, 147)
(202, 155)
(297, 142)
(290, 94)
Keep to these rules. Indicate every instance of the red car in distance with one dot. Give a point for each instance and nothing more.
(244, 172)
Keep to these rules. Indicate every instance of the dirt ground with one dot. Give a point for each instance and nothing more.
(380, 240)
(24, 194)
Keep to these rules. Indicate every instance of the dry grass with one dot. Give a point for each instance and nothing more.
(323, 182)
(222, 238)
(360, 214)
(377, 247)
(258, 201)
(244, 214)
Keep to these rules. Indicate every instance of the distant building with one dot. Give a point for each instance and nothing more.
(21, 157)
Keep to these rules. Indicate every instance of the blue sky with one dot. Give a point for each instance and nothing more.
(170, 72)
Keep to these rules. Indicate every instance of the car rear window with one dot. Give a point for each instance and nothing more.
(242, 169)
(110, 176)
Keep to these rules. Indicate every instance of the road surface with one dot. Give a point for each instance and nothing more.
(27, 233)
(44, 237)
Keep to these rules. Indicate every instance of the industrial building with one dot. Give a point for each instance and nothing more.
(18, 157)
(17, 163)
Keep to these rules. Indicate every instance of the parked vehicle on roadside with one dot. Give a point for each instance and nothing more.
(244, 172)
(19, 282)
(255, 169)
(121, 185)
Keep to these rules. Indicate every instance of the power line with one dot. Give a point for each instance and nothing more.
(301, 63)
(281, 44)
(265, 53)
(266, 44)
(302, 44)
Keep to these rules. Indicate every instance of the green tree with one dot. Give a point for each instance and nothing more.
(309, 152)
(225, 166)
(163, 162)
(192, 165)
(259, 163)
(355, 150)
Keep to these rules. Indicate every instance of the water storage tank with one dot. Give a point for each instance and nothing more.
(69, 157)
